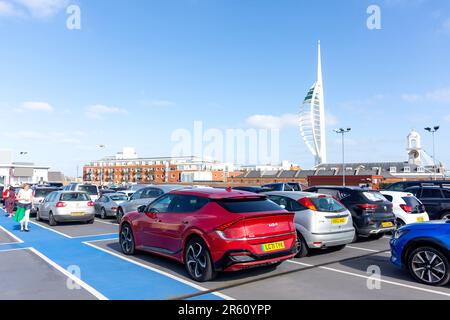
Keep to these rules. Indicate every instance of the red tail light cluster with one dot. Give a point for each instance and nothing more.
(61, 204)
(232, 230)
(367, 206)
(90, 204)
(406, 208)
(306, 202)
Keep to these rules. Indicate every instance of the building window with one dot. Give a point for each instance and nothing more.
(420, 169)
(393, 170)
(407, 170)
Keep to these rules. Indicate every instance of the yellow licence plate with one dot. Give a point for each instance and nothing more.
(77, 214)
(420, 219)
(338, 221)
(387, 224)
(274, 246)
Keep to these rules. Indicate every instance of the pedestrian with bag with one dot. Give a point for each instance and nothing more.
(10, 202)
(25, 198)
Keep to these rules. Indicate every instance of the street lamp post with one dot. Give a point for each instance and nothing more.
(342, 132)
(433, 131)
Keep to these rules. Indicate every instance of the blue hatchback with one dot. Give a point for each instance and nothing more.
(424, 249)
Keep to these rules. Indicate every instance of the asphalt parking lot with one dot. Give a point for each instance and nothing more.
(84, 262)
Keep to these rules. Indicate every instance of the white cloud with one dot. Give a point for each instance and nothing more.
(99, 110)
(35, 8)
(441, 96)
(288, 120)
(35, 106)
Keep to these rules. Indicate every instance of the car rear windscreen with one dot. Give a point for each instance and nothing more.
(248, 205)
(414, 203)
(91, 190)
(42, 193)
(326, 204)
(70, 197)
(374, 196)
(119, 198)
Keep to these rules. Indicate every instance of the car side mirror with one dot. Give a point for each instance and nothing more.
(141, 209)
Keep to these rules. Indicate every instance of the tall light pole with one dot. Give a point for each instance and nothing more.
(342, 132)
(433, 131)
(101, 146)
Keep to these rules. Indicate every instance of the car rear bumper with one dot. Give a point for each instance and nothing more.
(70, 218)
(324, 240)
(233, 260)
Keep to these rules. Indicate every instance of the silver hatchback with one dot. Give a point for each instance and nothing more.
(66, 206)
(320, 220)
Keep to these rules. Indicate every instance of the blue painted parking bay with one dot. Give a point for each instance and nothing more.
(109, 275)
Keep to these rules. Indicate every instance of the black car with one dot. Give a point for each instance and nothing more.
(290, 186)
(371, 211)
(435, 199)
(402, 186)
(254, 189)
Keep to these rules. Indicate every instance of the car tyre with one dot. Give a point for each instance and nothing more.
(198, 261)
(429, 266)
(38, 217)
(126, 240)
(90, 221)
(339, 248)
(119, 215)
(103, 214)
(302, 247)
(51, 220)
(445, 216)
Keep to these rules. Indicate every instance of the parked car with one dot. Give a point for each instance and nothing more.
(291, 186)
(406, 207)
(403, 185)
(371, 211)
(91, 189)
(107, 205)
(211, 230)
(59, 185)
(321, 221)
(102, 192)
(143, 196)
(131, 190)
(254, 189)
(39, 194)
(66, 206)
(435, 199)
(424, 250)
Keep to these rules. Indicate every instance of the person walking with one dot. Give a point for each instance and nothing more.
(10, 202)
(25, 198)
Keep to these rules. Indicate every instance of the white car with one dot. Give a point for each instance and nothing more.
(407, 208)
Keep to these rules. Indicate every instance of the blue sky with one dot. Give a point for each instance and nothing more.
(138, 70)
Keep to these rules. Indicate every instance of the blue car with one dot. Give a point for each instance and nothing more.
(424, 249)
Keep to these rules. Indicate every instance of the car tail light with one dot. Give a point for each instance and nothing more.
(61, 204)
(406, 208)
(114, 208)
(227, 225)
(307, 203)
(367, 206)
(90, 204)
(232, 230)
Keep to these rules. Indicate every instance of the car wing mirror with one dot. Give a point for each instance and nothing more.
(141, 209)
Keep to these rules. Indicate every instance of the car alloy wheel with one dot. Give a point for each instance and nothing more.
(127, 240)
(51, 220)
(198, 261)
(119, 215)
(429, 266)
(445, 216)
(301, 246)
(103, 214)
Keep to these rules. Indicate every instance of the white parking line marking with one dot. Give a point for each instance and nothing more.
(191, 284)
(381, 280)
(75, 279)
(363, 249)
(12, 235)
(98, 235)
(50, 229)
(106, 222)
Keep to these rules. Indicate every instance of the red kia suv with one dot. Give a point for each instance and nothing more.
(211, 230)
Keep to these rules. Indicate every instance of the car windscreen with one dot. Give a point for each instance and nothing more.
(42, 193)
(414, 203)
(119, 198)
(69, 197)
(248, 205)
(293, 186)
(327, 204)
(374, 196)
(90, 190)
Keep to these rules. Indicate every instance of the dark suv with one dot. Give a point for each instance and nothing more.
(402, 186)
(371, 211)
(435, 199)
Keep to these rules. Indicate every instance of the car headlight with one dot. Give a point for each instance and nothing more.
(400, 233)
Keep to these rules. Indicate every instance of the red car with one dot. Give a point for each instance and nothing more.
(211, 230)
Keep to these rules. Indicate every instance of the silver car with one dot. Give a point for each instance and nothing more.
(108, 204)
(143, 196)
(66, 206)
(320, 220)
(39, 194)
